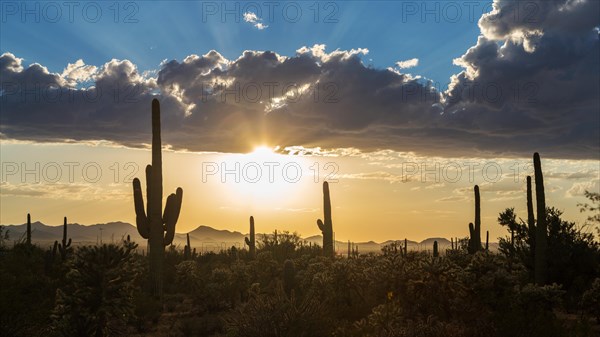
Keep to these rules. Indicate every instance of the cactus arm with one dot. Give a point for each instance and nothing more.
(247, 241)
(321, 225)
(140, 219)
(171, 215)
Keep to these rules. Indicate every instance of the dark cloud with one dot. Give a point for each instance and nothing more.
(528, 85)
(533, 76)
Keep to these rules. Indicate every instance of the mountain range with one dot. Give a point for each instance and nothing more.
(203, 238)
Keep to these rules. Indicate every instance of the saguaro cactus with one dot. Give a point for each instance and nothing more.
(187, 250)
(530, 218)
(487, 240)
(63, 247)
(349, 249)
(475, 230)
(541, 240)
(327, 226)
(154, 225)
(28, 229)
(435, 249)
(251, 242)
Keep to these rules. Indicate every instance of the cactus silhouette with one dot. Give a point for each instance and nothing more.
(28, 229)
(187, 250)
(326, 227)
(487, 240)
(251, 242)
(541, 240)
(435, 249)
(289, 277)
(530, 218)
(349, 249)
(63, 247)
(154, 225)
(475, 230)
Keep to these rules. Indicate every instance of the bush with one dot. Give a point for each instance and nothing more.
(97, 298)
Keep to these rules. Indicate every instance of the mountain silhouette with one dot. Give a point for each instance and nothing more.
(204, 238)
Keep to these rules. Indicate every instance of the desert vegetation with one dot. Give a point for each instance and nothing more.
(544, 280)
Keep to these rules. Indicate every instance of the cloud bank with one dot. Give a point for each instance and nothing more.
(527, 85)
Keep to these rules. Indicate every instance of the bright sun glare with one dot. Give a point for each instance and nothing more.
(264, 175)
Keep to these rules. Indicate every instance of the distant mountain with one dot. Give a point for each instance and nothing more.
(401, 242)
(80, 234)
(203, 238)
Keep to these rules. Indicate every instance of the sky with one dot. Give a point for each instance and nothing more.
(402, 106)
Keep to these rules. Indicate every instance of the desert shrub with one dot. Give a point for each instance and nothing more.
(97, 297)
(590, 301)
(26, 291)
(277, 316)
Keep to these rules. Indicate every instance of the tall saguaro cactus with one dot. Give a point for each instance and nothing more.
(63, 247)
(475, 230)
(541, 239)
(251, 242)
(326, 227)
(154, 225)
(28, 229)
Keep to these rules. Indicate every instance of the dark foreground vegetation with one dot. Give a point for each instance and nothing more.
(291, 289)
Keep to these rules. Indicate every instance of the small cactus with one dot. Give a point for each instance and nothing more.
(28, 229)
(349, 249)
(187, 250)
(326, 226)
(475, 230)
(64, 247)
(487, 240)
(251, 242)
(436, 253)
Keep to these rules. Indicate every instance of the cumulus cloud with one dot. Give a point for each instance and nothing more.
(78, 72)
(252, 18)
(408, 63)
(527, 85)
(533, 76)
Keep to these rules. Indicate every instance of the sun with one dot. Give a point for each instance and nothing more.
(262, 175)
(263, 152)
